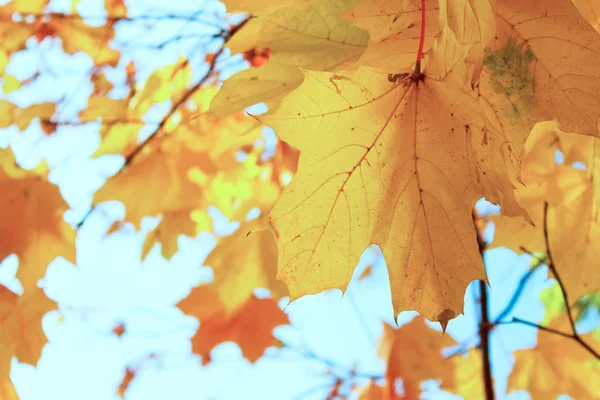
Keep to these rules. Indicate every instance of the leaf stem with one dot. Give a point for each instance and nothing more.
(421, 40)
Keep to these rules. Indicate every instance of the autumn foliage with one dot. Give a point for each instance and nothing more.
(320, 128)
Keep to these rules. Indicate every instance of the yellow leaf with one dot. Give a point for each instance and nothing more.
(516, 233)
(32, 227)
(102, 107)
(541, 66)
(92, 40)
(557, 365)
(26, 6)
(268, 84)
(473, 23)
(22, 117)
(467, 375)
(163, 84)
(238, 273)
(307, 34)
(391, 163)
(573, 195)
(156, 182)
(10, 84)
(172, 224)
(119, 137)
(394, 28)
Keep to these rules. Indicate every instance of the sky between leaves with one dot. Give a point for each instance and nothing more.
(378, 154)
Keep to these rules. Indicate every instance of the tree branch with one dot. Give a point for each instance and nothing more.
(485, 327)
(185, 97)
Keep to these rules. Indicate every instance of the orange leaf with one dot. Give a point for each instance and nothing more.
(21, 331)
(413, 354)
(32, 226)
(250, 326)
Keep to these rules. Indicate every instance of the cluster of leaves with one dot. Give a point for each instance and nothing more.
(398, 117)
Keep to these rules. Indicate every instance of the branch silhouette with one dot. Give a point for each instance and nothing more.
(485, 326)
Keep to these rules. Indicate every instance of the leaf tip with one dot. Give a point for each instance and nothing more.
(444, 317)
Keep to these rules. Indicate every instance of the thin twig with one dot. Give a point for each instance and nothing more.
(572, 336)
(552, 266)
(516, 295)
(540, 327)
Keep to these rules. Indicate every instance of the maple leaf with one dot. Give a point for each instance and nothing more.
(540, 66)
(413, 354)
(22, 117)
(394, 32)
(172, 224)
(227, 306)
(33, 226)
(556, 366)
(92, 40)
(307, 34)
(162, 171)
(473, 25)
(569, 191)
(238, 274)
(467, 375)
(269, 84)
(250, 326)
(21, 331)
(400, 168)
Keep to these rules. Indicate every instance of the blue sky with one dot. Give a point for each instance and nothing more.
(110, 285)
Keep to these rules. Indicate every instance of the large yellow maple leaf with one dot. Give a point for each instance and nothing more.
(398, 164)
(557, 365)
(32, 226)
